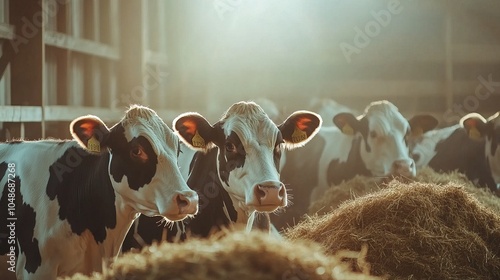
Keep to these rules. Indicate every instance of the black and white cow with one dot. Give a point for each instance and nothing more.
(373, 144)
(66, 206)
(235, 171)
(470, 147)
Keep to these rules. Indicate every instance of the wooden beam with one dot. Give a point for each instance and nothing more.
(20, 114)
(85, 46)
(69, 113)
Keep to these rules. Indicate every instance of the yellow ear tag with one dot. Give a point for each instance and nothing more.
(198, 141)
(347, 129)
(474, 133)
(298, 135)
(417, 132)
(93, 145)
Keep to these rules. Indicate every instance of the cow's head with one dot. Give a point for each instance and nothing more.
(478, 128)
(249, 150)
(142, 162)
(384, 131)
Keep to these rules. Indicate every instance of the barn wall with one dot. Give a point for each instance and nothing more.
(89, 56)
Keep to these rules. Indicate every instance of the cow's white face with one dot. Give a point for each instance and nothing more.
(143, 162)
(384, 149)
(477, 127)
(249, 150)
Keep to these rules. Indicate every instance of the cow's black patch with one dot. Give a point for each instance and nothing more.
(26, 222)
(460, 152)
(81, 184)
(230, 159)
(138, 173)
(342, 171)
(277, 151)
(21, 217)
(3, 169)
(211, 216)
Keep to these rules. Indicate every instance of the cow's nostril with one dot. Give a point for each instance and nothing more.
(282, 191)
(259, 192)
(182, 202)
(415, 157)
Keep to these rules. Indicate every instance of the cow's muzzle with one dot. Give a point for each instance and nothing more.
(268, 196)
(404, 167)
(183, 204)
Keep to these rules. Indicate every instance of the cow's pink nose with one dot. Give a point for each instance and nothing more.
(187, 203)
(403, 167)
(269, 196)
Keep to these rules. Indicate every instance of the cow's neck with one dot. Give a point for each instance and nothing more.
(81, 184)
(354, 165)
(125, 216)
(243, 212)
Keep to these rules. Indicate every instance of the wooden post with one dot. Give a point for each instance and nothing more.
(27, 61)
(131, 64)
(448, 50)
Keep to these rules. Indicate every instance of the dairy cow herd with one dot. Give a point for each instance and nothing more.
(67, 206)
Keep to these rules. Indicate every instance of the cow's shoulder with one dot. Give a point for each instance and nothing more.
(80, 183)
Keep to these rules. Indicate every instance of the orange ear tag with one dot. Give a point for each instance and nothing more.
(93, 145)
(474, 133)
(298, 135)
(198, 141)
(347, 129)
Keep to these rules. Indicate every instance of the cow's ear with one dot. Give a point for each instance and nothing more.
(475, 125)
(194, 130)
(420, 124)
(90, 132)
(299, 128)
(348, 123)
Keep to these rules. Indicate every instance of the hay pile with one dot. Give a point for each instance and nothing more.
(359, 186)
(413, 231)
(237, 256)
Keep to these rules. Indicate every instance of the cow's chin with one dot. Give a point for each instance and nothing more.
(176, 217)
(264, 208)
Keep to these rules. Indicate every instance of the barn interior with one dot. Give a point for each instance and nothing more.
(62, 59)
(71, 58)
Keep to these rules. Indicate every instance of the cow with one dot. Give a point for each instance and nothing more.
(373, 144)
(235, 170)
(327, 108)
(66, 205)
(469, 147)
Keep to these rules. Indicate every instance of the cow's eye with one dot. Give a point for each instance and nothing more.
(138, 153)
(230, 147)
(373, 134)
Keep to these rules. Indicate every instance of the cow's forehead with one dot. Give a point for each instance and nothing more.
(250, 123)
(145, 122)
(385, 118)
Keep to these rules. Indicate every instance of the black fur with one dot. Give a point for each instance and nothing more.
(342, 171)
(84, 191)
(460, 152)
